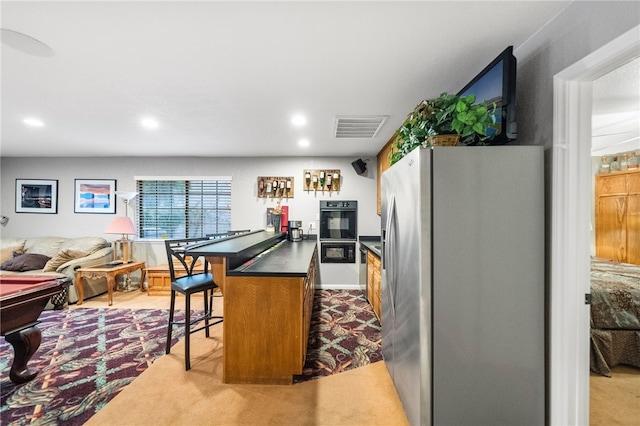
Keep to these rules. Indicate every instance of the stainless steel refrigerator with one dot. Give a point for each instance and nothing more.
(463, 293)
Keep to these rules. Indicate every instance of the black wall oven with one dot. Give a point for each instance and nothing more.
(338, 220)
(338, 231)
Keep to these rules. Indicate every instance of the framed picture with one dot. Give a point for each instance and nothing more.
(95, 196)
(36, 196)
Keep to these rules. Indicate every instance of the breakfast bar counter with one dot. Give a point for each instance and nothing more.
(268, 290)
(237, 248)
(285, 258)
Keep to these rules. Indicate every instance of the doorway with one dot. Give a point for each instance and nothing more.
(570, 228)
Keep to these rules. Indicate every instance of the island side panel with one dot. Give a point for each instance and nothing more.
(218, 266)
(263, 331)
(310, 283)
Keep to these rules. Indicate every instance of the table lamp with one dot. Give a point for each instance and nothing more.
(122, 248)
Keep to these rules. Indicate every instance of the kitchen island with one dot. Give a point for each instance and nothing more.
(268, 289)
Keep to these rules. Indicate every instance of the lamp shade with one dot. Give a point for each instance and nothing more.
(126, 195)
(121, 225)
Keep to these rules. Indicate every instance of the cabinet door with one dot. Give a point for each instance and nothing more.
(374, 281)
(377, 284)
(384, 162)
(633, 230)
(633, 219)
(611, 228)
(611, 185)
(370, 278)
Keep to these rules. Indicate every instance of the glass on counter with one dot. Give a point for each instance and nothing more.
(624, 162)
(605, 166)
(632, 163)
(615, 165)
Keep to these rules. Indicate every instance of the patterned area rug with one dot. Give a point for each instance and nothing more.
(86, 357)
(344, 334)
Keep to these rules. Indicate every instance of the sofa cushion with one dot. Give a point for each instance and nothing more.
(63, 257)
(12, 242)
(48, 246)
(25, 262)
(87, 245)
(9, 253)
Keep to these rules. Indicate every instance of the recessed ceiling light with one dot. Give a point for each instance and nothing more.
(149, 123)
(303, 142)
(34, 122)
(299, 120)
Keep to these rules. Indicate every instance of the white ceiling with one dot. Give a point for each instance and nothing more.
(225, 78)
(616, 111)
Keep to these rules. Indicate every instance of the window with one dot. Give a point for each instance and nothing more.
(183, 207)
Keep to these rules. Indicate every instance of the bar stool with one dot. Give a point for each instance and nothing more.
(188, 282)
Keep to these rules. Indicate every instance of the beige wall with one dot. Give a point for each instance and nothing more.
(248, 211)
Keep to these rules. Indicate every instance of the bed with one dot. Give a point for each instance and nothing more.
(615, 315)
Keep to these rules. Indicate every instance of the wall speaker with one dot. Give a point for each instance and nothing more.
(359, 166)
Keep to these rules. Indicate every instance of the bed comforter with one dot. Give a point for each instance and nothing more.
(615, 315)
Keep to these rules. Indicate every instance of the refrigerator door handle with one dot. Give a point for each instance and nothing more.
(389, 253)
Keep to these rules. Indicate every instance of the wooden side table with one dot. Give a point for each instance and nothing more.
(110, 273)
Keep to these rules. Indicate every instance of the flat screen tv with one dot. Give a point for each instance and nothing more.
(497, 83)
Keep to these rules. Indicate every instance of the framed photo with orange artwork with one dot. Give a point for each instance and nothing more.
(95, 196)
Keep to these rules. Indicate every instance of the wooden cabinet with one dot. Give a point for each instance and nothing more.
(266, 326)
(159, 279)
(384, 162)
(374, 283)
(618, 216)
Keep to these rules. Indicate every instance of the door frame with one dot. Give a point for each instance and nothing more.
(571, 200)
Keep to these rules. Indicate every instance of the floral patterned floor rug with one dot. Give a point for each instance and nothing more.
(344, 334)
(86, 357)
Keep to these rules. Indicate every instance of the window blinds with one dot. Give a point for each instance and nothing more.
(183, 208)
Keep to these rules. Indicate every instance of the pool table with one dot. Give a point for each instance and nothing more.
(22, 300)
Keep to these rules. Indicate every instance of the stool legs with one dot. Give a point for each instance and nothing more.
(208, 321)
(170, 326)
(207, 312)
(187, 332)
(187, 327)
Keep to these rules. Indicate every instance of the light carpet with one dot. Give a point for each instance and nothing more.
(166, 394)
(615, 400)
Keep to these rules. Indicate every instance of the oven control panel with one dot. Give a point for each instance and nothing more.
(338, 204)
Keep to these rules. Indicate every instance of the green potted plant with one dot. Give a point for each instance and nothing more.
(459, 118)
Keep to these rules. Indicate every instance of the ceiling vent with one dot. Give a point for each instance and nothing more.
(359, 126)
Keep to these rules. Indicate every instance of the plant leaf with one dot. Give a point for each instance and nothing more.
(469, 99)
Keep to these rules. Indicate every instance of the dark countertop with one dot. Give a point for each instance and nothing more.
(371, 243)
(237, 245)
(260, 253)
(286, 258)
